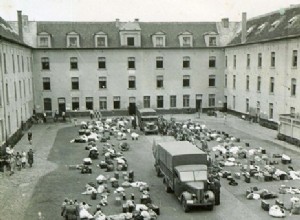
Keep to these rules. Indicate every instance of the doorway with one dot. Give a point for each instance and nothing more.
(132, 106)
(61, 105)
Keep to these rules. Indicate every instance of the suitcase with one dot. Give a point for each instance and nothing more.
(265, 205)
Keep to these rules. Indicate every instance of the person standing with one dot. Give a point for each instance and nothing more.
(44, 117)
(29, 136)
(30, 157)
(23, 159)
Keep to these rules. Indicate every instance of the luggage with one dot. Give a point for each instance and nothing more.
(265, 205)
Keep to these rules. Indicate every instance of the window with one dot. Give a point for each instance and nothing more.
(234, 61)
(226, 61)
(102, 103)
(186, 41)
(212, 41)
(18, 62)
(233, 102)
(173, 101)
(258, 108)
(131, 82)
(159, 41)
(4, 63)
(46, 83)
(7, 94)
(159, 62)
(47, 104)
(271, 111)
(248, 60)
(159, 82)
(28, 64)
(44, 41)
(186, 101)
(130, 41)
(247, 105)
(160, 101)
(22, 59)
(16, 95)
(292, 111)
(75, 83)
(293, 87)
(211, 100)
(146, 101)
(258, 84)
(272, 59)
(24, 87)
(186, 81)
(247, 83)
(101, 41)
(259, 60)
(295, 58)
(73, 63)
(73, 40)
(75, 103)
(225, 83)
(102, 82)
(186, 62)
(272, 85)
(117, 102)
(212, 62)
(101, 63)
(212, 81)
(234, 82)
(13, 62)
(45, 63)
(89, 103)
(131, 63)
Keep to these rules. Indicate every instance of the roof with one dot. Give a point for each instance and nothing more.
(143, 110)
(87, 30)
(175, 148)
(7, 31)
(275, 25)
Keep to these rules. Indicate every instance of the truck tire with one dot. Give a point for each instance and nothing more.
(210, 207)
(184, 205)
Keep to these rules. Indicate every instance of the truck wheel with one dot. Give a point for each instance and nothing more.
(210, 207)
(184, 205)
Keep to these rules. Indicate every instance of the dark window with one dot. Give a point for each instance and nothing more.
(272, 85)
(234, 61)
(247, 105)
(131, 63)
(101, 42)
(117, 102)
(159, 62)
(89, 103)
(293, 87)
(45, 63)
(4, 62)
(46, 83)
(160, 101)
(130, 41)
(146, 101)
(212, 81)
(259, 61)
(47, 104)
(186, 101)
(102, 82)
(159, 82)
(258, 83)
(271, 112)
(247, 82)
(22, 64)
(101, 63)
(273, 59)
(186, 62)
(73, 63)
(18, 62)
(234, 82)
(248, 60)
(211, 100)
(225, 83)
(75, 83)
(102, 103)
(186, 81)
(131, 82)
(13, 62)
(295, 58)
(212, 62)
(75, 103)
(212, 41)
(226, 61)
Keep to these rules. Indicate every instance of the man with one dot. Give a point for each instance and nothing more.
(29, 136)
(30, 157)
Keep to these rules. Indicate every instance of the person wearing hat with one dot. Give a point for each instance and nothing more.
(30, 157)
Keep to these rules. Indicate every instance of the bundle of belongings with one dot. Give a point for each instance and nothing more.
(295, 209)
(277, 211)
(255, 193)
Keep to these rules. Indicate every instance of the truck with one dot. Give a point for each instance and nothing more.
(147, 119)
(183, 167)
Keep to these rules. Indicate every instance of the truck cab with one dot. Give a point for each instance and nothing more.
(147, 120)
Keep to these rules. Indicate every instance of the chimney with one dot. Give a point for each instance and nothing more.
(117, 22)
(244, 27)
(20, 25)
(136, 20)
(225, 22)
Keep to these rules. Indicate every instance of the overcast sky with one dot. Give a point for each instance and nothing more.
(145, 10)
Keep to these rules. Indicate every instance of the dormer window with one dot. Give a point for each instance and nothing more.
(293, 20)
(250, 30)
(73, 40)
(100, 39)
(159, 39)
(186, 39)
(44, 40)
(212, 41)
(274, 25)
(130, 41)
(261, 27)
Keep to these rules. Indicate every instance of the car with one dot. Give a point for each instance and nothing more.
(150, 128)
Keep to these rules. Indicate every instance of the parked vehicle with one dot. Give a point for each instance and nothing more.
(147, 120)
(183, 167)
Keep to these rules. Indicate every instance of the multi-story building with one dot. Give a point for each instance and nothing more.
(248, 67)
(16, 93)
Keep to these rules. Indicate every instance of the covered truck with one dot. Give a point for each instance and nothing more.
(183, 167)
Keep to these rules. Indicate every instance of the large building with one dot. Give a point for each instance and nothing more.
(248, 67)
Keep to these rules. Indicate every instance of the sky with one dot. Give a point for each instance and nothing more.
(144, 10)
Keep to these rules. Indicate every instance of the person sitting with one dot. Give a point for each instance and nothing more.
(83, 211)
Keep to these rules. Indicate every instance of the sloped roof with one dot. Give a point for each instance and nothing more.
(86, 30)
(7, 32)
(283, 29)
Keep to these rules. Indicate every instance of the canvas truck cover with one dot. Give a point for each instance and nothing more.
(178, 153)
(159, 140)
